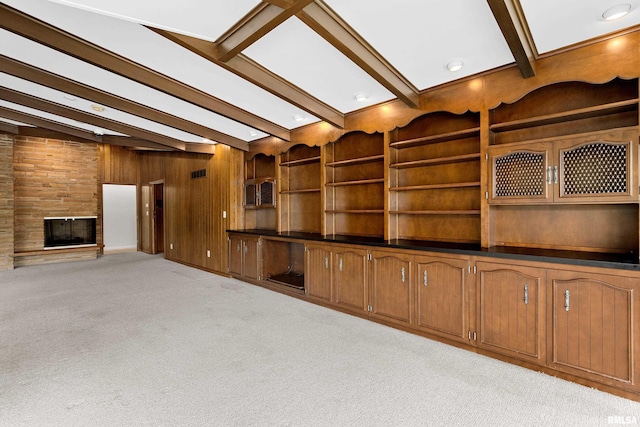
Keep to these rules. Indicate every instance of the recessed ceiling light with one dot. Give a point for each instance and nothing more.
(361, 97)
(253, 133)
(299, 118)
(616, 12)
(98, 108)
(208, 141)
(455, 65)
(70, 97)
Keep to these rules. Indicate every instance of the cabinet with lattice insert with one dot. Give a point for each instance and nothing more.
(259, 196)
(599, 168)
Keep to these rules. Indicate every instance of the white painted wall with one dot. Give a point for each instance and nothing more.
(119, 218)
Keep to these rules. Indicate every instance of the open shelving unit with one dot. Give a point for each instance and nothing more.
(434, 180)
(354, 202)
(300, 190)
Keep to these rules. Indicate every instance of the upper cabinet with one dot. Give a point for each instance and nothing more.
(434, 178)
(260, 192)
(596, 168)
(354, 170)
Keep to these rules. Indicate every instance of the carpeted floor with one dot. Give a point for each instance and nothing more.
(132, 339)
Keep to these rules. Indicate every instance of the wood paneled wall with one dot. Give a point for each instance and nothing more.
(6, 202)
(197, 211)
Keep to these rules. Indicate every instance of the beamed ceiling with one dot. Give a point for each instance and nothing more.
(169, 75)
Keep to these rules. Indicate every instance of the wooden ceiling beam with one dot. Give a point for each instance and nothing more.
(102, 122)
(50, 125)
(512, 23)
(8, 127)
(324, 21)
(260, 76)
(262, 19)
(63, 84)
(36, 30)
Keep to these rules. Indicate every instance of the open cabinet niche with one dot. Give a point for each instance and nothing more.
(300, 194)
(434, 178)
(260, 192)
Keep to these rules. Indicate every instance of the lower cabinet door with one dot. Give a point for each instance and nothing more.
(251, 258)
(236, 248)
(511, 310)
(318, 274)
(350, 278)
(593, 327)
(391, 290)
(442, 295)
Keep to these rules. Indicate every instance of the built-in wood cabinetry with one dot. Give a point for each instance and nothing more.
(594, 333)
(434, 179)
(300, 183)
(512, 231)
(244, 259)
(319, 272)
(562, 159)
(354, 202)
(391, 286)
(442, 296)
(350, 278)
(260, 192)
(511, 310)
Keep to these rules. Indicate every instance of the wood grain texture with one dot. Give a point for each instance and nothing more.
(6, 202)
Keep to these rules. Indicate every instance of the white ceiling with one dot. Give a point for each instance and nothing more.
(418, 38)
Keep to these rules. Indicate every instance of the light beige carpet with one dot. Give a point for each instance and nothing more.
(132, 339)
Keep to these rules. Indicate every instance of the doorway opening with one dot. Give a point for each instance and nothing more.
(157, 230)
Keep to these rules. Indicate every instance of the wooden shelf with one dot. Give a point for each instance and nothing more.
(301, 162)
(565, 116)
(358, 182)
(357, 211)
(356, 161)
(307, 190)
(434, 139)
(436, 186)
(437, 161)
(442, 212)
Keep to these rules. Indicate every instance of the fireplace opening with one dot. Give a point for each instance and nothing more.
(69, 232)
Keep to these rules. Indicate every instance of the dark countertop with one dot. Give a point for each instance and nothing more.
(591, 259)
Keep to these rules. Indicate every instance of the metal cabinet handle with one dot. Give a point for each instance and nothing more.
(402, 271)
(567, 297)
(549, 174)
(555, 174)
(246, 248)
(238, 247)
(326, 262)
(340, 264)
(424, 277)
(526, 294)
